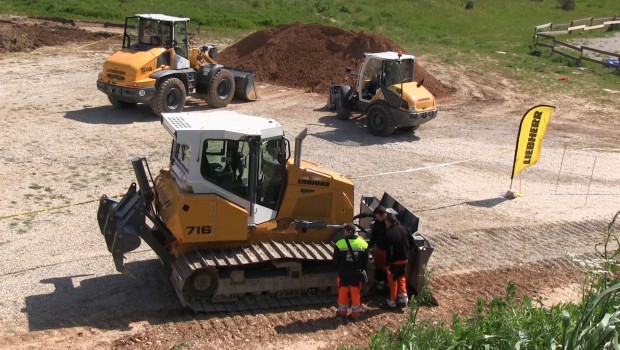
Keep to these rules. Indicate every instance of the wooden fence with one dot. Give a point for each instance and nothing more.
(545, 35)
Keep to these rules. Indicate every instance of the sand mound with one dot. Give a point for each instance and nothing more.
(311, 56)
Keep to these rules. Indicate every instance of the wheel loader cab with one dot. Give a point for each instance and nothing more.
(391, 83)
(144, 32)
(371, 79)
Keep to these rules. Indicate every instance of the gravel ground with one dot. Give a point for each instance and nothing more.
(63, 146)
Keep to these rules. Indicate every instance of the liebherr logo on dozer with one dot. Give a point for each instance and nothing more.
(313, 182)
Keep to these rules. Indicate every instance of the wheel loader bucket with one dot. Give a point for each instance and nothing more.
(245, 88)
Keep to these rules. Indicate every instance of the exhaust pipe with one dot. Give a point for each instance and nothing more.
(298, 140)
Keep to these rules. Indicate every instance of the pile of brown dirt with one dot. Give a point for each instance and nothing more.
(18, 37)
(311, 56)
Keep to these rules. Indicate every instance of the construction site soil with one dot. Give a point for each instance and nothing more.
(63, 145)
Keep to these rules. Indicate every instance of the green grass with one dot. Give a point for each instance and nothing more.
(442, 29)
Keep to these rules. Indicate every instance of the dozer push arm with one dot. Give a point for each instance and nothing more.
(123, 223)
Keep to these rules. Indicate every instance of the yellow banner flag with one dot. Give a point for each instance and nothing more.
(531, 132)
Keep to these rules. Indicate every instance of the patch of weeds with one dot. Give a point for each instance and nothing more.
(27, 225)
(540, 68)
(28, 196)
(78, 185)
(35, 187)
(48, 189)
(180, 346)
(561, 70)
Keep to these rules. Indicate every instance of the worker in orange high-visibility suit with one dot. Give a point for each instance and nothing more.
(378, 244)
(351, 260)
(399, 243)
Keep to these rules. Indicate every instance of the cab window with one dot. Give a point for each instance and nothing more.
(224, 163)
(271, 171)
(183, 154)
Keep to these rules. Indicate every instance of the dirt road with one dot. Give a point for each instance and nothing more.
(63, 146)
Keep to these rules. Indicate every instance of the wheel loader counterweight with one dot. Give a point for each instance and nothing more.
(237, 223)
(156, 66)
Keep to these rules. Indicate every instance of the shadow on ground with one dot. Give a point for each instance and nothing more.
(113, 116)
(139, 114)
(106, 302)
(353, 132)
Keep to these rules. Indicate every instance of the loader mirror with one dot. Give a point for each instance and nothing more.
(287, 149)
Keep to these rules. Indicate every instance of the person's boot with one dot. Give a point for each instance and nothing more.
(356, 313)
(389, 305)
(403, 300)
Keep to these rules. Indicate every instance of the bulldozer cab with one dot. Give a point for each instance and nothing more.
(239, 158)
(144, 32)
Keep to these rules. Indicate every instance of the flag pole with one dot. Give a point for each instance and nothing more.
(591, 175)
(560, 171)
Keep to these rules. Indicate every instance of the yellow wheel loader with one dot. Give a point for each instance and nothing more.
(156, 66)
(385, 91)
(237, 223)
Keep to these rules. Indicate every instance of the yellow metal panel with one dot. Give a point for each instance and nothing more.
(209, 218)
(199, 218)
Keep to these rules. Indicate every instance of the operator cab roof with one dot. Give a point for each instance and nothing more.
(388, 55)
(160, 17)
(186, 127)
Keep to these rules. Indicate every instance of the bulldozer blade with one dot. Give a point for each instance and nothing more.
(245, 88)
(117, 222)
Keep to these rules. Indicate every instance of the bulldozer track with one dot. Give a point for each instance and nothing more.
(232, 297)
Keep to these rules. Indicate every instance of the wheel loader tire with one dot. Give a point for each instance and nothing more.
(343, 105)
(380, 122)
(222, 89)
(203, 283)
(169, 98)
(120, 104)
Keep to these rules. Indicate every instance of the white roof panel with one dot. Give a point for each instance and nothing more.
(388, 55)
(160, 17)
(220, 124)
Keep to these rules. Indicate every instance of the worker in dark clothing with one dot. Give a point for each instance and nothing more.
(398, 245)
(378, 242)
(350, 258)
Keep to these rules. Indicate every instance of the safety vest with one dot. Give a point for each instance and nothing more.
(358, 244)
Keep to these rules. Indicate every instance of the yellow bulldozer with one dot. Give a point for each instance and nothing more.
(157, 66)
(237, 223)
